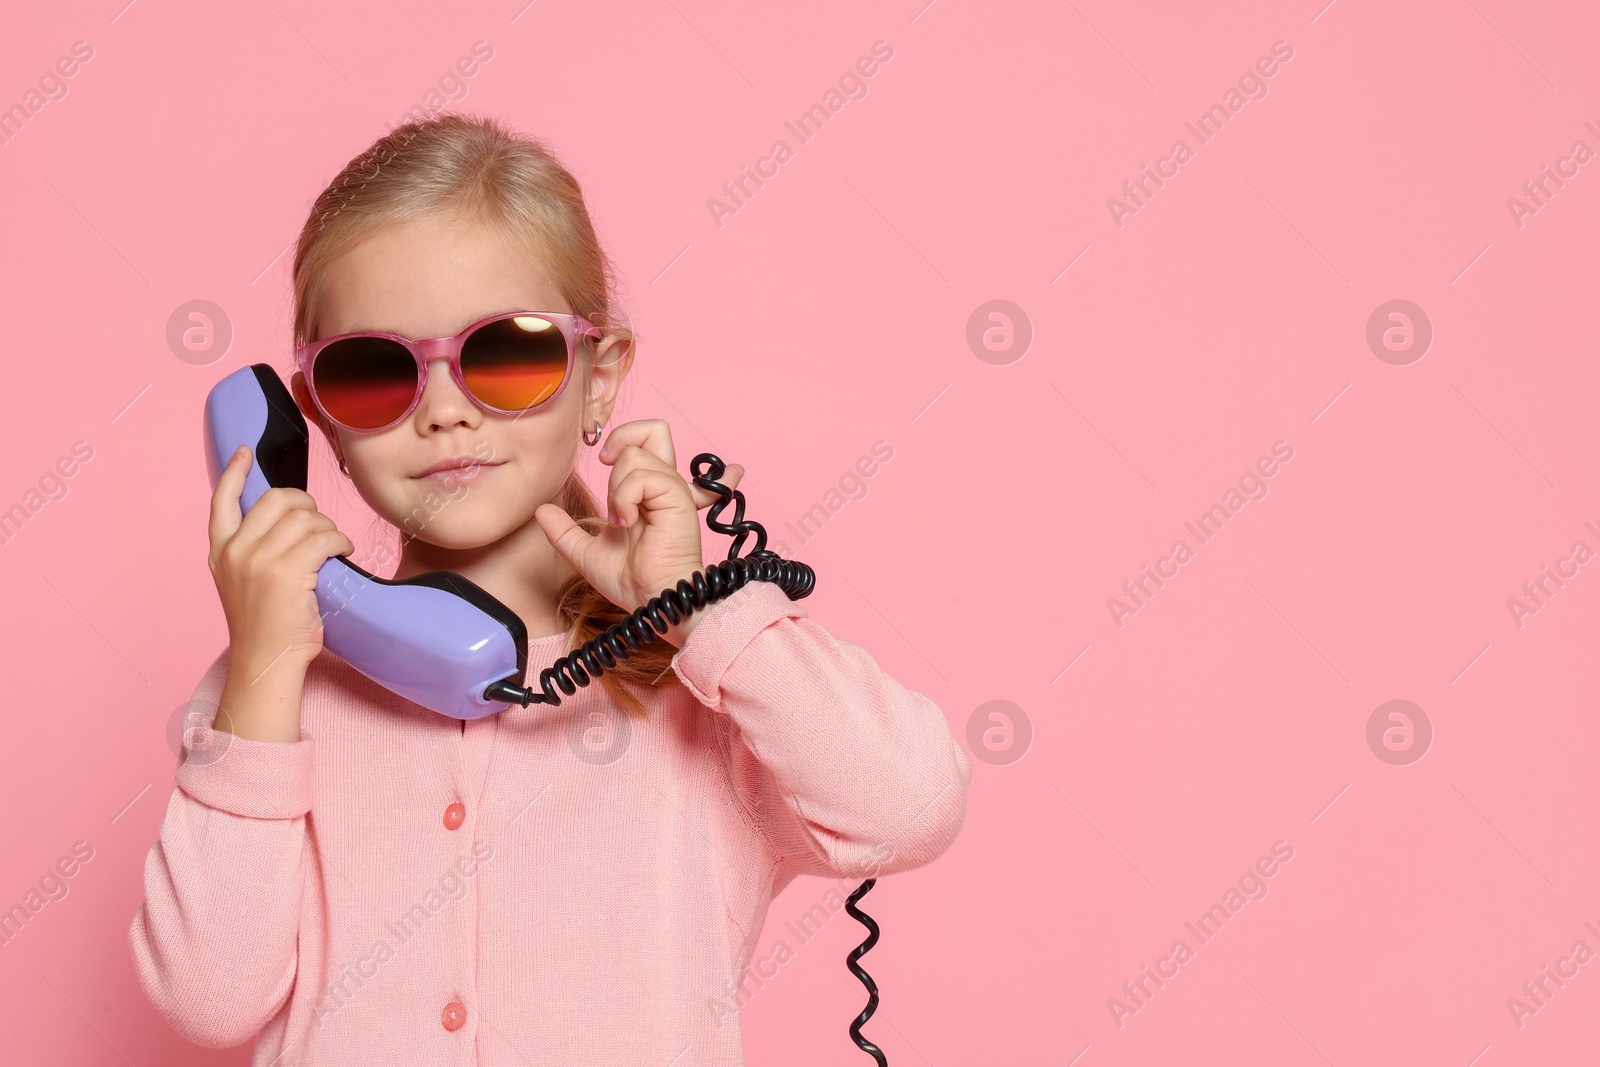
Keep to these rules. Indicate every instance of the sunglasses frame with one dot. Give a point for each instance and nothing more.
(572, 327)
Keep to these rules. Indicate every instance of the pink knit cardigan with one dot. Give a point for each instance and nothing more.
(547, 886)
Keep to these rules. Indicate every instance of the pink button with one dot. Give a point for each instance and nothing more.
(454, 816)
(455, 1015)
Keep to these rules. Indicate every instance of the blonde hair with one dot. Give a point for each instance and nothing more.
(478, 166)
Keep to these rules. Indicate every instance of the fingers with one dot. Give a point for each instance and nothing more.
(646, 444)
(297, 527)
(303, 555)
(280, 520)
(564, 535)
(647, 489)
(225, 511)
(300, 542)
(311, 552)
(271, 508)
(628, 458)
(654, 436)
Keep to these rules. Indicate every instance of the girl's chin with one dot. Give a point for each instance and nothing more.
(458, 532)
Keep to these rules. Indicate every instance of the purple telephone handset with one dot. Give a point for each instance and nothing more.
(436, 639)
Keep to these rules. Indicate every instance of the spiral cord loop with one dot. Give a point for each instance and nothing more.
(866, 979)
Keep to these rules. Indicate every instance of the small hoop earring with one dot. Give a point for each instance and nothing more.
(344, 469)
(592, 441)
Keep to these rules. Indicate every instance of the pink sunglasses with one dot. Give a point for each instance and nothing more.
(512, 364)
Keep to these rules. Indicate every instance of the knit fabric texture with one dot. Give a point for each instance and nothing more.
(546, 886)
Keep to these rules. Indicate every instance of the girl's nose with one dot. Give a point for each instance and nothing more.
(443, 403)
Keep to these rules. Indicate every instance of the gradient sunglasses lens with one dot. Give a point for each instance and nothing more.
(515, 363)
(365, 382)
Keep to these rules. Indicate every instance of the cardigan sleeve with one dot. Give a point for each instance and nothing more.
(215, 941)
(844, 770)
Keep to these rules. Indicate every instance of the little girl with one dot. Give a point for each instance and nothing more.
(352, 879)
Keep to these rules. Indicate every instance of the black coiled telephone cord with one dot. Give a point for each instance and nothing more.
(644, 625)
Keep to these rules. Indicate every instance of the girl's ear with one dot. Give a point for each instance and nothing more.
(614, 358)
(616, 347)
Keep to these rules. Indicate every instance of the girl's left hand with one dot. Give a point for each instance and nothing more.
(653, 540)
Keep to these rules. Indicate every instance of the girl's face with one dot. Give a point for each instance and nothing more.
(434, 278)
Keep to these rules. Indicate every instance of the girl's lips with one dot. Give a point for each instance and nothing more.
(462, 475)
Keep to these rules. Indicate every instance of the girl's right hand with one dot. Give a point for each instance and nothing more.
(265, 565)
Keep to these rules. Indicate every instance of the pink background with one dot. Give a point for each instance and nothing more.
(1229, 313)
